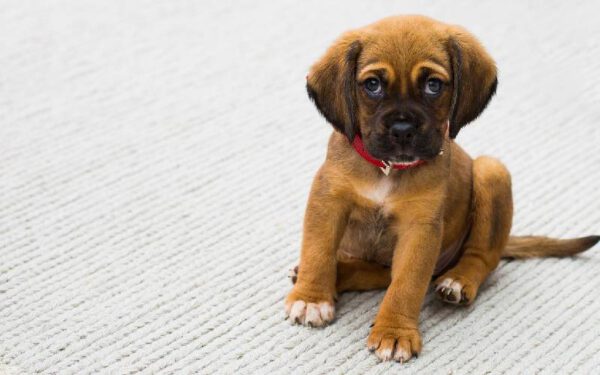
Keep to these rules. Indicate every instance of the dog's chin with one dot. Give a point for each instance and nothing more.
(404, 156)
(404, 160)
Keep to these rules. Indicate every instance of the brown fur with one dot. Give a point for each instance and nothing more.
(537, 246)
(350, 236)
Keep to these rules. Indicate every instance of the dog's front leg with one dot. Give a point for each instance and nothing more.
(311, 301)
(395, 334)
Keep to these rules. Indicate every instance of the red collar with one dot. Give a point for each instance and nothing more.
(383, 165)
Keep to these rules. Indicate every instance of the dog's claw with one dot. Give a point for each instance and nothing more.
(293, 274)
(448, 295)
(454, 291)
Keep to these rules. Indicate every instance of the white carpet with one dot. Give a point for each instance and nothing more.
(155, 160)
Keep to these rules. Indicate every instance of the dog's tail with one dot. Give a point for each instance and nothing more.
(519, 247)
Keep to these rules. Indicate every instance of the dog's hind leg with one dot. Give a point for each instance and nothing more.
(492, 220)
(356, 274)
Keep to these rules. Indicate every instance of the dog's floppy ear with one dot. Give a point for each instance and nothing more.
(331, 84)
(474, 78)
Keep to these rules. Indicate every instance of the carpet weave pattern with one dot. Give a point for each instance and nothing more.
(155, 160)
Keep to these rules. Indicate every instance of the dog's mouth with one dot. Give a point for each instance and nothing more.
(404, 160)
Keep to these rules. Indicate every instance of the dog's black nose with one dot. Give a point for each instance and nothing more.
(403, 131)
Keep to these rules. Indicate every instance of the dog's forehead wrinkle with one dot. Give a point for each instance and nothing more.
(403, 44)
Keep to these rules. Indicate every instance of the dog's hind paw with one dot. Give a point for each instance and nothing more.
(455, 290)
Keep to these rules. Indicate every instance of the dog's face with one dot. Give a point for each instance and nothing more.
(397, 83)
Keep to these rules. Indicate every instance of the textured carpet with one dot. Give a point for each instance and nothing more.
(155, 160)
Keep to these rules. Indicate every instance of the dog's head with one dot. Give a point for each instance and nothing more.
(399, 81)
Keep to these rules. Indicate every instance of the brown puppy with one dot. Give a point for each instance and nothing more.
(398, 92)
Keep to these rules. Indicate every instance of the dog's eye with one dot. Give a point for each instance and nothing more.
(433, 86)
(373, 87)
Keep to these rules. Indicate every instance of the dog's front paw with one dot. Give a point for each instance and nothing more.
(309, 310)
(455, 289)
(397, 343)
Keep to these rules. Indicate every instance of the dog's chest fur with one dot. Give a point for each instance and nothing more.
(368, 234)
(378, 192)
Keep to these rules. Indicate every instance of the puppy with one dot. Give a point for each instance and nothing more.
(397, 202)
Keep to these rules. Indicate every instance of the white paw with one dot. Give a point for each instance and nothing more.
(310, 314)
(401, 355)
(384, 354)
(452, 291)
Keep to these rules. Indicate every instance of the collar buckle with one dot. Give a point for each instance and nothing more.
(387, 167)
